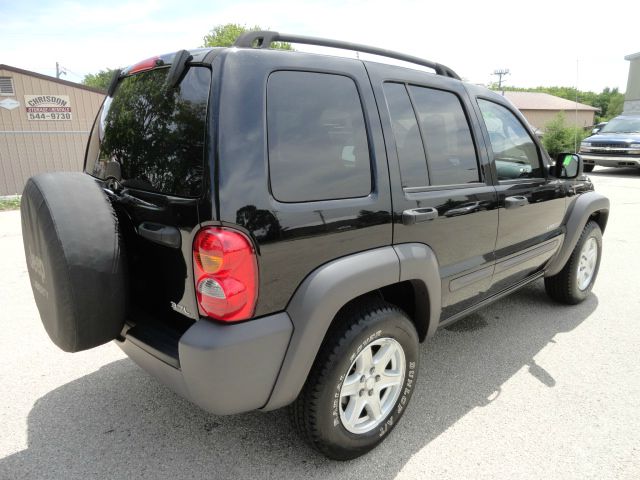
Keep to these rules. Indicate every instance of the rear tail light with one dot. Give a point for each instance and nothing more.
(225, 273)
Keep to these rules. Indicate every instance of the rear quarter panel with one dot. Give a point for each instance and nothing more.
(292, 239)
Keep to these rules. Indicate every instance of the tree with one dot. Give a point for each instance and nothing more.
(555, 136)
(225, 36)
(152, 133)
(609, 101)
(615, 106)
(560, 138)
(100, 80)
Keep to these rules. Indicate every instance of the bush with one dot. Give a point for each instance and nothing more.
(9, 203)
(559, 138)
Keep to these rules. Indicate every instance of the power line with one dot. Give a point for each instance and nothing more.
(60, 70)
(501, 73)
(73, 73)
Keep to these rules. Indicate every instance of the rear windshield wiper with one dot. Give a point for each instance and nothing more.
(124, 198)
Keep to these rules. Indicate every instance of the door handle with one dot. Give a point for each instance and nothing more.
(161, 234)
(417, 215)
(515, 202)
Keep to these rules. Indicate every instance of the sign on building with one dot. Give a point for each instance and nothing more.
(9, 104)
(48, 107)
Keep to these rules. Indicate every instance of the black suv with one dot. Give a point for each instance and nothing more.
(260, 228)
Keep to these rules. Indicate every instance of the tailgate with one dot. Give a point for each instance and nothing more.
(148, 146)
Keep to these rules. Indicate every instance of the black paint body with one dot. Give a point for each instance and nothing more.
(472, 236)
(438, 251)
(304, 236)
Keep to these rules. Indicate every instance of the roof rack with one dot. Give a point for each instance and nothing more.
(263, 39)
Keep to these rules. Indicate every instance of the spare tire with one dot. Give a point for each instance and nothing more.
(75, 259)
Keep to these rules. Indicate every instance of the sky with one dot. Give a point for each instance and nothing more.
(541, 42)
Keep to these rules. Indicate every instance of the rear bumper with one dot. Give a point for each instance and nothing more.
(224, 369)
(611, 161)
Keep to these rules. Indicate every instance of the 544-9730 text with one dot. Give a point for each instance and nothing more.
(49, 116)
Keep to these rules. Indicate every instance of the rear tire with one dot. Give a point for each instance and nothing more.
(588, 168)
(574, 282)
(361, 381)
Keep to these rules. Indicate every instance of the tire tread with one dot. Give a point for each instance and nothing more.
(559, 287)
(303, 411)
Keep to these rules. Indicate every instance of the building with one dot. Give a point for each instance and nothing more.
(632, 97)
(44, 125)
(541, 108)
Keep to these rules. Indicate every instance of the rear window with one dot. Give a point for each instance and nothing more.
(152, 139)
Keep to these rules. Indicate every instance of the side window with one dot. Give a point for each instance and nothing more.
(318, 147)
(413, 163)
(514, 152)
(451, 154)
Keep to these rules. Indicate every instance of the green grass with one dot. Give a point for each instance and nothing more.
(9, 204)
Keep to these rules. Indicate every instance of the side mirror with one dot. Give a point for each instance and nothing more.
(568, 166)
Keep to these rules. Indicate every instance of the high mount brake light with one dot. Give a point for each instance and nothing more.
(225, 274)
(147, 64)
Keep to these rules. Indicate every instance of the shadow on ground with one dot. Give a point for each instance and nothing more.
(120, 423)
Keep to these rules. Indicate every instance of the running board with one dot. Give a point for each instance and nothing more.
(493, 298)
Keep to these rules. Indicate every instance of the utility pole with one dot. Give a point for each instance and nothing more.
(60, 70)
(501, 73)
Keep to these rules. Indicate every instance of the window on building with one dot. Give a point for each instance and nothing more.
(318, 148)
(6, 86)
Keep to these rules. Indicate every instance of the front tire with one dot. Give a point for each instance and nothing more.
(361, 381)
(574, 282)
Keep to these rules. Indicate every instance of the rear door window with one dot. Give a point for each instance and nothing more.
(413, 162)
(318, 148)
(451, 153)
(151, 138)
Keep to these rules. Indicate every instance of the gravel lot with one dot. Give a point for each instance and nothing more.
(523, 389)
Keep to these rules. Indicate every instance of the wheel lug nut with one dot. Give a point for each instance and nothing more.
(377, 378)
(372, 371)
(361, 393)
(362, 379)
(371, 392)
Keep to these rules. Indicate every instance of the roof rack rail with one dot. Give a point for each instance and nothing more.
(263, 39)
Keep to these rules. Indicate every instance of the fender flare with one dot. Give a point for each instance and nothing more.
(575, 219)
(419, 265)
(327, 289)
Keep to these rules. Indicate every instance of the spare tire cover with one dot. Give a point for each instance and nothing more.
(75, 259)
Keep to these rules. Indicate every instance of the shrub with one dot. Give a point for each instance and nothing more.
(559, 137)
(9, 203)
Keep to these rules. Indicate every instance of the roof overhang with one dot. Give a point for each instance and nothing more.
(67, 83)
(633, 56)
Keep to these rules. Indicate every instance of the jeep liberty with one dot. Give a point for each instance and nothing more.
(260, 228)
